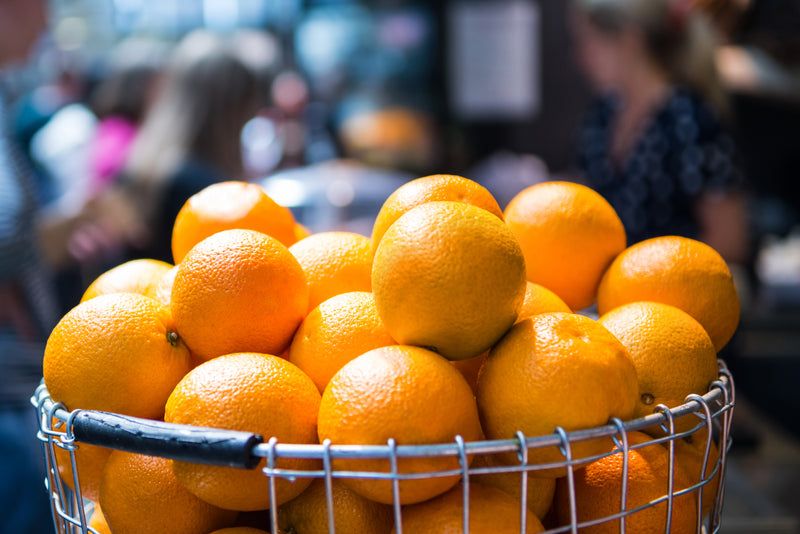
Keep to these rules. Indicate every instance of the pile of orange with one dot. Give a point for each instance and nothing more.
(453, 319)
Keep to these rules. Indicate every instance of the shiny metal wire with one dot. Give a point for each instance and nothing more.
(712, 412)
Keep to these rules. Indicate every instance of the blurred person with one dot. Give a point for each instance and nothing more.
(27, 312)
(653, 142)
(191, 136)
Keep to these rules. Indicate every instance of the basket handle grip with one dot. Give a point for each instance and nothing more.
(185, 443)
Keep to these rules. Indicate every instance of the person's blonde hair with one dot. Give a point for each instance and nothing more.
(679, 37)
(207, 96)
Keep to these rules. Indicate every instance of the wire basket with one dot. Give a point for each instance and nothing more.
(710, 415)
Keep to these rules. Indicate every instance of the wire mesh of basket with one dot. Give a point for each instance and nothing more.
(709, 414)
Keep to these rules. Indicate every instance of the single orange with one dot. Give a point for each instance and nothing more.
(471, 368)
(690, 454)
(117, 353)
(569, 235)
(598, 490)
(406, 393)
(427, 189)
(90, 460)
(334, 263)
(450, 277)
(352, 513)
(136, 276)
(672, 353)
(539, 299)
(249, 392)
(555, 370)
(98, 521)
(238, 290)
(139, 494)
(540, 490)
(226, 206)
(300, 232)
(491, 511)
(685, 273)
(335, 332)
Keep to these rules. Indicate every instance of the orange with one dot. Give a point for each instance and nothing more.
(450, 277)
(139, 494)
(690, 452)
(135, 276)
(540, 490)
(240, 530)
(679, 271)
(470, 369)
(163, 290)
(226, 206)
(90, 460)
(250, 392)
(401, 392)
(427, 189)
(238, 290)
(300, 232)
(539, 299)
(555, 369)
(672, 353)
(335, 332)
(352, 513)
(598, 487)
(569, 235)
(491, 511)
(117, 353)
(98, 521)
(334, 263)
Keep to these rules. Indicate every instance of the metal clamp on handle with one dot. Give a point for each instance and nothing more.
(154, 438)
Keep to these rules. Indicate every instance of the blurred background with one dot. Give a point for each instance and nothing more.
(331, 104)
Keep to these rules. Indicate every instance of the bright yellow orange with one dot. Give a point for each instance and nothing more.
(334, 263)
(118, 353)
(163, 290)
(98, 521)
(352, 513)
(427, 189)
(598, 488)
(140, 495)
(450, 277)
(226, 206)
(555, 369)
(135, 276)
(335, 332)
(401, 392)
(90, 460)
(672, 353)
(569, 235)
(539, 299)
(300, 232)
(250, 392)
(491, 511)
(540, 490)
(679, 271)
(238, 290)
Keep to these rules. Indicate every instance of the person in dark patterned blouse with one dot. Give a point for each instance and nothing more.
(652, 142)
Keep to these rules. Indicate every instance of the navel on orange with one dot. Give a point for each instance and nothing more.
(448, 276)
(334, 263)
(118, 353)
(406, 393)
(226, 206)
(250, 392)
(238, 290)
(685, 273)
(428, 189)
(569, 235)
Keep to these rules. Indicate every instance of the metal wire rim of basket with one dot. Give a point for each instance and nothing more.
(68, 429)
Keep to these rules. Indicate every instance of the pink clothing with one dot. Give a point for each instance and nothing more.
(110, 148)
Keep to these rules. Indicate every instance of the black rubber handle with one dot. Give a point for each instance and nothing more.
(179, 442)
